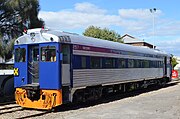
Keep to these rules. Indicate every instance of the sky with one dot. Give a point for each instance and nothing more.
(131, 17)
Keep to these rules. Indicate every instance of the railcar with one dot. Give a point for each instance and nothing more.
(53, 68)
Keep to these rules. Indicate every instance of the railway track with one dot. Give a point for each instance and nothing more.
(14, 111)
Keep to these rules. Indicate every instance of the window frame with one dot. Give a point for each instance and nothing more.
(99, 62)
(130, 63)
(21, 58)
(49, 53)
(83, 62)
(109, 63)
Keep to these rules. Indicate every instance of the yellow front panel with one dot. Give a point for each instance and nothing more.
(48, 99)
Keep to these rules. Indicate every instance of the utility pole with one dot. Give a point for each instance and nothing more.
(153, 12)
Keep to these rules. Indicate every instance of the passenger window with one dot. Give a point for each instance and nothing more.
(20, 55)
(161, 66)
(154, 64)
(141, 62)
(136, 63)
(96, 63)
(146, 64)
(48, 54)
(121, 63)
(109, 63)
(83, 61)
(130, 63)
(66, 54)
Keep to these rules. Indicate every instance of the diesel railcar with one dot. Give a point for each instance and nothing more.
(53, 68)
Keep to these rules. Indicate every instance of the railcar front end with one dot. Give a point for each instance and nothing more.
(37, 72)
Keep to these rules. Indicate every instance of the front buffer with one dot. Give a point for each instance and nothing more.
(38, 99)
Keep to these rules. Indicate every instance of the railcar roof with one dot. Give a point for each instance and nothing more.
(40, 36)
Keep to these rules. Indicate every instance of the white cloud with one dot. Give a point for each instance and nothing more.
(82, 16)
(170, 46)
(88, 8)
(86, 14)
(138, 14)
(132, 21)
(168, 27)
(76, 20)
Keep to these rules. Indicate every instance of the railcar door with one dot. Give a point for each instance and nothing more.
(33, 64)
(165, 66)
(66, 65)
(20, 66)
(66, 74)
(49, 66)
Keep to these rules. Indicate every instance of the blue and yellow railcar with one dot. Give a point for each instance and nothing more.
(53, 68)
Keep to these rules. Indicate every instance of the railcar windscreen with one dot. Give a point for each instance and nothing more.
(20, 55)
(48, 54)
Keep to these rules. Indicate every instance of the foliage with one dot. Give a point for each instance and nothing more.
(174, 62)
(1, 49)
(28, 12)
(6, 49)
(15, 16)
(104, 33)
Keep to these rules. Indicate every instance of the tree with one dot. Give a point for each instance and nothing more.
(1, 49)
(174, 62)
(104, 33)
(15, 16)
(27, 12)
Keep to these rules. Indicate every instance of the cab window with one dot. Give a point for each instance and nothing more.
(48, 54)
(20, 55)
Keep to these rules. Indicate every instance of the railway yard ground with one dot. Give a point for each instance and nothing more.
(154, 103)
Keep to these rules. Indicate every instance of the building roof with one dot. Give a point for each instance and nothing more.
(128, 39)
